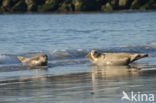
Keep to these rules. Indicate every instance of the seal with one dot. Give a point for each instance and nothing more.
(113, 58)
(34, 61)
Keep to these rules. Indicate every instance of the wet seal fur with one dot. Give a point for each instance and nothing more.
(34, 61)
(113, 58)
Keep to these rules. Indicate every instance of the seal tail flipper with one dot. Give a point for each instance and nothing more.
(137, 56)
(20, 58)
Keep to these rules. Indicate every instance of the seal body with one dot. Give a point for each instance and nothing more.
(34, 61)
(113, 58)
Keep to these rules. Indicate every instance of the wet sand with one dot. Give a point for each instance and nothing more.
(95, 85)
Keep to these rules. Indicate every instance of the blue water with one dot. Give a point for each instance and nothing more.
(27, 33)
(66, 39)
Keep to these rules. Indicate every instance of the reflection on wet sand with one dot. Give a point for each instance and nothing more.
(22, 68)
(110, 79)
(101, 84)
(115, 71)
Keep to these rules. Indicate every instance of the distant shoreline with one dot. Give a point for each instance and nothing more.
(74, 6)
(91, 12)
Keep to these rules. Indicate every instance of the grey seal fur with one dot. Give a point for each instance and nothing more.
(113, 58)
(34, 61)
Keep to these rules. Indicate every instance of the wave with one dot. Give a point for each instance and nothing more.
(63, 55)
(81, 53)
(150, 49)
(67, 54)
(8, 59)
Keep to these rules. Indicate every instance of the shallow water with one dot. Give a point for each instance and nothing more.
(66, 39)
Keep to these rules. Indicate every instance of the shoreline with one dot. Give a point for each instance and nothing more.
(73, 6)
(75, 13)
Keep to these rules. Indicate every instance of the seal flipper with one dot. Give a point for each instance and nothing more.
(20, 58)
(137, 56)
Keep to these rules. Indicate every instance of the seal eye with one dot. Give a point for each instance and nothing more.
(96, 54)
(45, 56)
